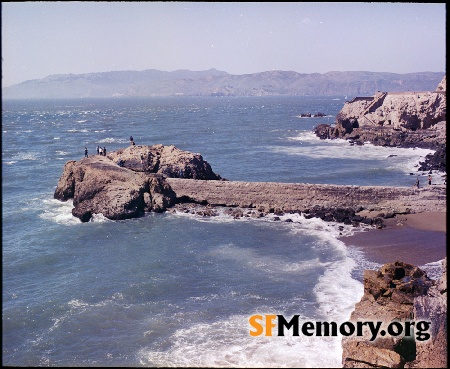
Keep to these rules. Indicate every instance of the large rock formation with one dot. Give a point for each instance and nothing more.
(154, 178)
(399, 293)
(402, 119)
(98, 184)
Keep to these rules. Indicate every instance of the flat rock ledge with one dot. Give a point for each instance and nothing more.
(399, 293)
(156, 178)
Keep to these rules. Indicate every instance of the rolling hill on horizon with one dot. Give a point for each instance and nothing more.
(212, 82)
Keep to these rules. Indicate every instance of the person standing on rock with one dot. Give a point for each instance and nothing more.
(429, 179)
(86, 152)
(417, 182)
(98, 149)
(104, 151)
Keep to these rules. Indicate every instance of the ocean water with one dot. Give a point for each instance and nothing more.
(173, 289)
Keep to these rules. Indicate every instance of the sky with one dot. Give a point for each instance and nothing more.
(44, 38)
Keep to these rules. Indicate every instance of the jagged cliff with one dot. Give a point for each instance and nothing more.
(407, 119)
(399, 293)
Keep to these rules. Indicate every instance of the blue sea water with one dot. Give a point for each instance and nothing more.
(173, 289)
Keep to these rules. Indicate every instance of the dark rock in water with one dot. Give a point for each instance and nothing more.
(435, 161)
(99, 185)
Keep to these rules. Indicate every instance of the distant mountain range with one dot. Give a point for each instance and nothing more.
(212, 82)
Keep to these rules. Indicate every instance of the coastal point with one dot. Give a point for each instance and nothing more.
(155, 178)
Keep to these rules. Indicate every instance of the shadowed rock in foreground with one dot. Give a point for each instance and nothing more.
(397, 294)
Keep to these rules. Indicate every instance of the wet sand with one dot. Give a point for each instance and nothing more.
(412, 238)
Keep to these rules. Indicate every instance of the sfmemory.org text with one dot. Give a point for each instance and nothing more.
(394, 329)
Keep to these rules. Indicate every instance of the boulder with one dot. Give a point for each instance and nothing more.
(167, 160)
(98, 185)
(399, 292)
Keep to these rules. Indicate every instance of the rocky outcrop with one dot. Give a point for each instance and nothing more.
(399, 293)
(400, 120)
(433, 307)
(406, 119)
(155, 178)
(98, 184)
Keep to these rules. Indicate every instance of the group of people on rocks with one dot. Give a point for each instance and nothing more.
(101, 150)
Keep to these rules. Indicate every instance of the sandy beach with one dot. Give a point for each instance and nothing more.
(413, 238)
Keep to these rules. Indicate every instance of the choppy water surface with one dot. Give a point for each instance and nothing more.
(172, 289)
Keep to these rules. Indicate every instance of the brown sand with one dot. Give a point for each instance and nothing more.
(412, 238)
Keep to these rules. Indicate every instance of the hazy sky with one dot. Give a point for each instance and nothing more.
(44, 38)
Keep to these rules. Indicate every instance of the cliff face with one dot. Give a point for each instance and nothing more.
(408, 119)
(400, 292)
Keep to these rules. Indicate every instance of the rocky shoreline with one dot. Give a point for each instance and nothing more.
(396, 294)
(407, 119)
(131, 181)
(156, 178)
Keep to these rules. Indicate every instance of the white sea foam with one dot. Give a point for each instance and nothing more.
(111, 140)
(341, 149)
(325, 116)
(227, 343)
(336, 291)
(77, 130)
(59, 212)
(434, 269)
(399, 159)
(99, 218)
(25, 156)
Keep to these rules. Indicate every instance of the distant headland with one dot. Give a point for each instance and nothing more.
(153, 83)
